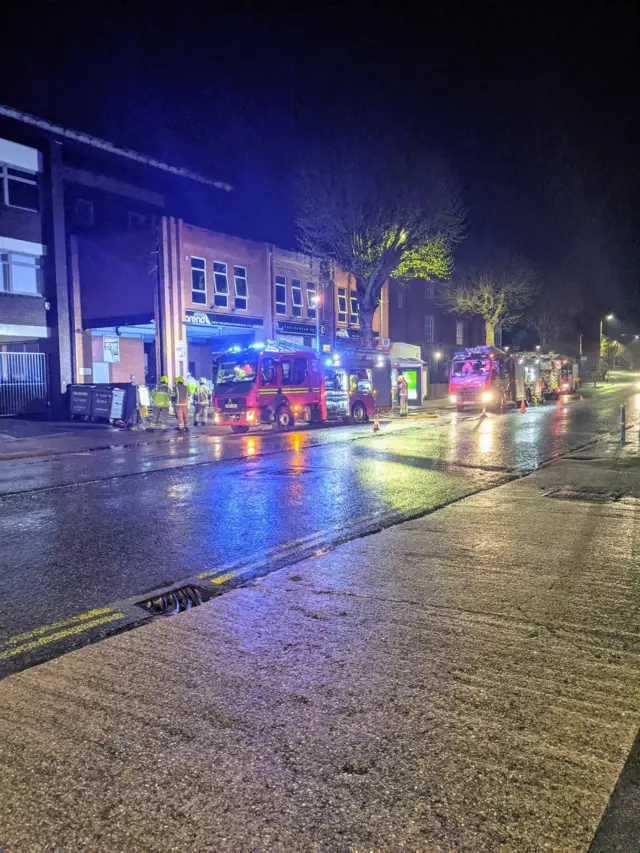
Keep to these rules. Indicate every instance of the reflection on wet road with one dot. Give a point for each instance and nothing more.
(199, 506)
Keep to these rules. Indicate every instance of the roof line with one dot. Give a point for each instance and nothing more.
(103, 145)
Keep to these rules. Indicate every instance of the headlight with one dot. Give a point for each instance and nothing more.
(486, 397)
(454, 399)
(216, 418)
(251, 415)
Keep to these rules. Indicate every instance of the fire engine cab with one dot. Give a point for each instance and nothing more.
(481, 376)
(265, 385)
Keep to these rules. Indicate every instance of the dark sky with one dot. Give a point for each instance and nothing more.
(533, 104)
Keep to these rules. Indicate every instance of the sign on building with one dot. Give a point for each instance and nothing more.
(111, 349)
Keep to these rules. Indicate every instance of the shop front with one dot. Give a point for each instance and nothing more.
(304, 334)
(209, 334)
(405, 358)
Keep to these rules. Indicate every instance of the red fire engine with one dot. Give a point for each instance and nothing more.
(264, 385)
(481, 376)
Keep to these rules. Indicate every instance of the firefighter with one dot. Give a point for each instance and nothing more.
(201, 400)
(161, 399)
(181, 403)
(403, 395)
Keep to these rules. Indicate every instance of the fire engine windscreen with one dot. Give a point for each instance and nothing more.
(237, 368)
(473, 366)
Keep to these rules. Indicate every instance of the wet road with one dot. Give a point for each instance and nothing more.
(83, 532)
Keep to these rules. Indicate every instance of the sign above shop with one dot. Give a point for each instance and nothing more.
(353, 334)
(209, 318)
(298, 328)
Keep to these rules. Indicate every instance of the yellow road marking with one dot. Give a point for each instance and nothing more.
(83, 617)
(60, 635)
(224, 578)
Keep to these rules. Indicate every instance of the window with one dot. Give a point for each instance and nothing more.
(428, 329)
(137, 220)
(355, 307)
(342, 305)
(20, 274)
(281, 294)
(84, 212)
(429, 289)
(296, 297)
(286, 371)
(242, 288)
(399, 299)
(20, 189)
(459, 333)
(311, 300)
(299, 371)
(269, 371)
(198, 281)
(220, 285)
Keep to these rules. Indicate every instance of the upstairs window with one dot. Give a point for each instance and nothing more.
(355, 309)
(311, 300)
(20, 274)
(342, 305)
(220, 285)
(198, 281)
(281, 294)
(459, 333)
(428, 329)
(242, 288)
(429, 289)
(19, 189)
(296, 297)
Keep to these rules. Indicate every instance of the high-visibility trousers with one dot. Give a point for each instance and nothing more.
(182, 414)
(201, 413)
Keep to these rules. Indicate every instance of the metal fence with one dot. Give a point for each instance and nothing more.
(24, 383)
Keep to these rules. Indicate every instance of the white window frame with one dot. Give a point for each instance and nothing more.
(297, 305)
(311, 296)
(354, 316)
(280, 281)
(7, 263)
(459, 333)
(429, 290)
(238, 296)
(342, 295)
(6, 177)
(218, 291)
(429, 328)
(202, 271)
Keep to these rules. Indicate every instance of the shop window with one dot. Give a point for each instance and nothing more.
(355, 308)
(281, 294)
(20, 274)
(428, 329)
(299, 371)
(242, 288)
(19, 188)
(220, 285)
(311, 300)
(342, 305)
(296, 297)
(460, 333)
(429, 289)
(198, 281)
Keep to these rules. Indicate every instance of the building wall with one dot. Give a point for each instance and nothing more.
(347, 324)
(298, 322)
(131, 361)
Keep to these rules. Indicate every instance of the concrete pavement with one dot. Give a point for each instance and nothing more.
(465, 682)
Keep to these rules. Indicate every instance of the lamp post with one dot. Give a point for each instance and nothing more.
(316, 301)
(608, 317)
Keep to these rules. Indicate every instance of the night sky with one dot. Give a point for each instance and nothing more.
(533, 104)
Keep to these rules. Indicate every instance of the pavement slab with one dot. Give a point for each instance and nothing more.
(466, 682)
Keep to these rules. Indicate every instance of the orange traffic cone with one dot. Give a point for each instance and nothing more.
(484, 412)
(523, 407)
(376, 423)
(558, 401)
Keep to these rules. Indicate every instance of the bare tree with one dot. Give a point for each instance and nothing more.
(554, 312)
(499, 291)
(378, 209)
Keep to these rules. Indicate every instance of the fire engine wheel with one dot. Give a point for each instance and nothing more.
(359, 414)
(239, 428)
(283, 419)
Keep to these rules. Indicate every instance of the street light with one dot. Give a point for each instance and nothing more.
(608, 317)
(316, 302)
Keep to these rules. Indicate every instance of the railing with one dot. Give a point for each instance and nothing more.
(24, 383)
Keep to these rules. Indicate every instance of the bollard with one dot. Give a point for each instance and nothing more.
(623, 423)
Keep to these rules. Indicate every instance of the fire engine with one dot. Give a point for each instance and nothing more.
(284, 385)
(481, 376)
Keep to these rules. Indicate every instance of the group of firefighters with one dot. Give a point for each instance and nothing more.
(182, 392)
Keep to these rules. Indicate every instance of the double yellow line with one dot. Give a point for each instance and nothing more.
(30, 640)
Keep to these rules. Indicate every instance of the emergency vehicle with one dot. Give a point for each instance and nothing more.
(481, 376)
(529, 384)
(559, 375)
(282, 386)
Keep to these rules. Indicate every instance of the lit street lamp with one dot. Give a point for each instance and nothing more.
(608, 317)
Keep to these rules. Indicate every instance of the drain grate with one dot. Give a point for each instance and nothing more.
(175, 601)
(585, 493)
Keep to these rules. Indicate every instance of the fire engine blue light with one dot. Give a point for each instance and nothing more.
(328, 362)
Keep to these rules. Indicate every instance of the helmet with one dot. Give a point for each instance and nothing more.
(203, 381)
(179, 380)
(164, 379)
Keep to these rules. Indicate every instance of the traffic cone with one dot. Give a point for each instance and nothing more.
(376, 424)
(523, 407)
(558, 401)
(484, 412)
